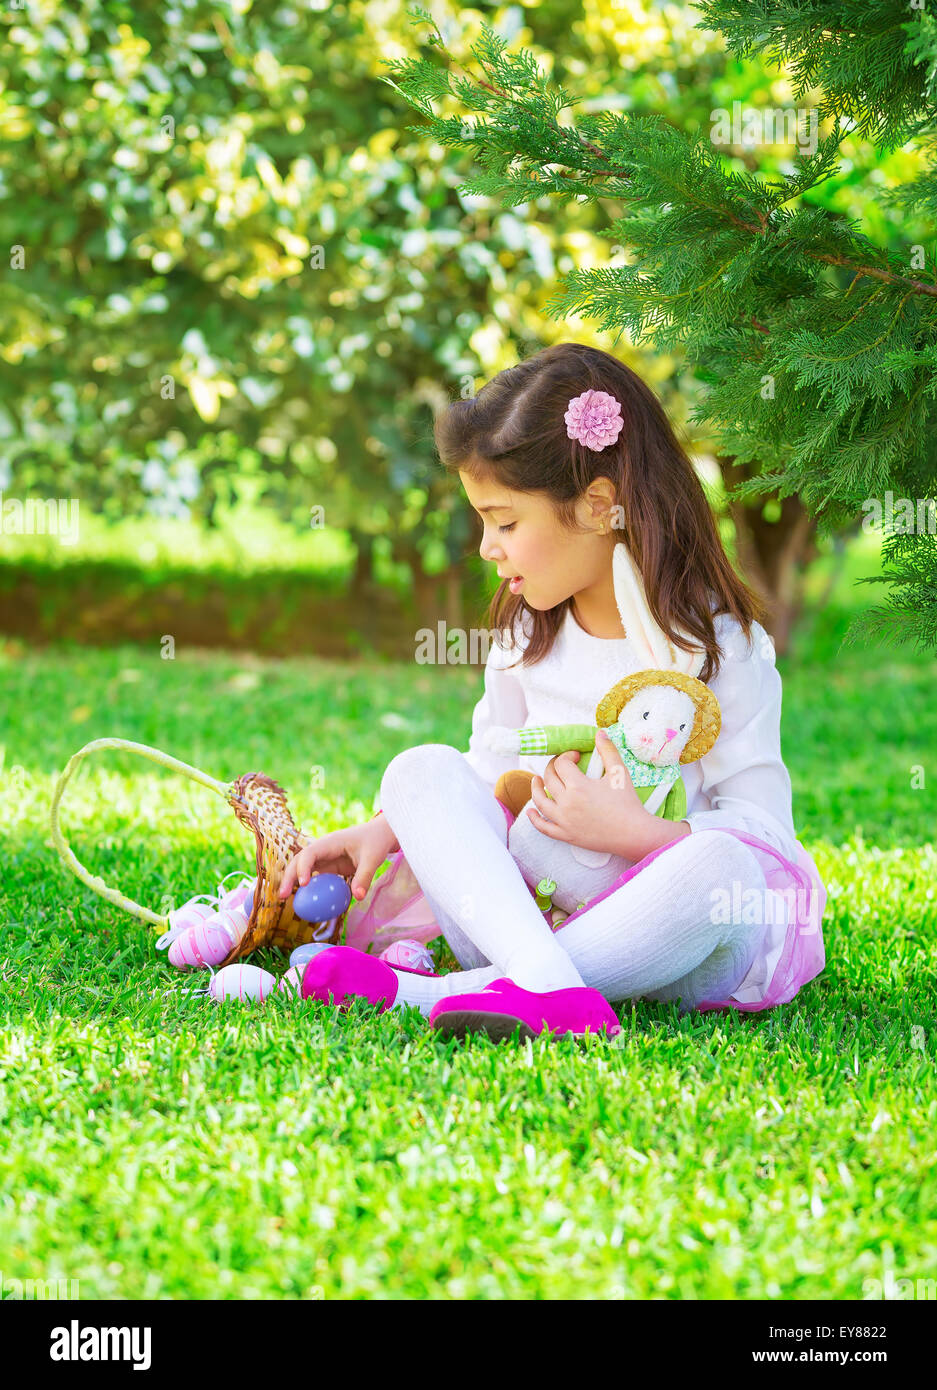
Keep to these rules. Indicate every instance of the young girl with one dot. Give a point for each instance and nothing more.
(564, 457)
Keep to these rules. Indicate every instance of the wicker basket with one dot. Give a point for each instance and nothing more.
(260, 805)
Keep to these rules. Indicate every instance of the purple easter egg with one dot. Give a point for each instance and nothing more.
(249, 904)
(323, 897)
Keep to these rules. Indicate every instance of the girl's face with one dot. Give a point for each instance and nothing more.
(547, 563)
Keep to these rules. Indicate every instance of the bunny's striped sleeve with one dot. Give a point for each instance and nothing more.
(537, 739)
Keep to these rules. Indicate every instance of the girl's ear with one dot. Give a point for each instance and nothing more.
(598, 501)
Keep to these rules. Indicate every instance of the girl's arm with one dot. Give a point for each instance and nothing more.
(502, 703)
(744, 776)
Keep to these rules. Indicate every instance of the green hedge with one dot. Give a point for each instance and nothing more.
(277, 612)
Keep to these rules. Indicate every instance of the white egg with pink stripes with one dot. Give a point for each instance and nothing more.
(240, 981)
(209, 941)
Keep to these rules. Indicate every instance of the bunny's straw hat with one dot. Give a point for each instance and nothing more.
(663, 663)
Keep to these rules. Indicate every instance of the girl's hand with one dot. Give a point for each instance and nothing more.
(358, 850)
(600, 813)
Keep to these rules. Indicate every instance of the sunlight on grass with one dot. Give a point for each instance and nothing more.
(247, 537)
(160, 1146)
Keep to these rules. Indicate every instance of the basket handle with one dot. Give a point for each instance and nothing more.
(65, 853)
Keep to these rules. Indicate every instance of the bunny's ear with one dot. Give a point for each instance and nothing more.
(653, 646)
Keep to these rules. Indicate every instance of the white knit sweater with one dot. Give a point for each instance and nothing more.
(741, 782)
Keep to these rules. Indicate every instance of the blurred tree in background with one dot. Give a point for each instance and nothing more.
(234, 273)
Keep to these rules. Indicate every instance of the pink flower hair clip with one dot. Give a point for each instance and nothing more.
(594, 418)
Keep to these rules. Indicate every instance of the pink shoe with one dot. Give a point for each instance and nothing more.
(342, 973)
(409, 955)
(503, 1006)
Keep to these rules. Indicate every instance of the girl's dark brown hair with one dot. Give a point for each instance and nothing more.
(514, 432)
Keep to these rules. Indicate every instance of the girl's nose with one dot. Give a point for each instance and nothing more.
(671, 733)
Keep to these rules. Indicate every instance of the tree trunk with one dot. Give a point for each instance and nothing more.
(363, 576)
(425, 602)
(773, 555)
(436, 596)
(455, 598)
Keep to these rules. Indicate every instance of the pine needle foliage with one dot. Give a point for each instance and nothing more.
(817, 348)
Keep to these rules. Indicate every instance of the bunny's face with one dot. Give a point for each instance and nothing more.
(657, 723)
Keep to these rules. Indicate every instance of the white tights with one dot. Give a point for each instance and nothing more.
(654, 937)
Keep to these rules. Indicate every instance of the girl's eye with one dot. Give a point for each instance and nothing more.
(682, 726)
(508, 528)
(646, 713)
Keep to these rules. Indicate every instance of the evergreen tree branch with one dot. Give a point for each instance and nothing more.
(816, 348)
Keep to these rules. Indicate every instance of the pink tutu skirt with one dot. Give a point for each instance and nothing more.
(790, 954)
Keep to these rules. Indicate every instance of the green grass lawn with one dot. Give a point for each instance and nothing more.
(158, 1146)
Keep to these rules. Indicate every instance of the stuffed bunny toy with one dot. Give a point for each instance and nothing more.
(658, 718)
